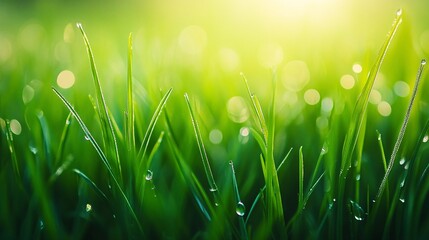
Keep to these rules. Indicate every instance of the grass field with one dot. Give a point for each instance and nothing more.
(214, 120)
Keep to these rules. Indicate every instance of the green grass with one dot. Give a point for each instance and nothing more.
(233, 159)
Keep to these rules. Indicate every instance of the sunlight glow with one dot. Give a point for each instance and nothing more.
(192, 40)
(295, 75)
(237, 109)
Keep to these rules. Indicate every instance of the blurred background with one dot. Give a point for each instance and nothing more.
(319, 50)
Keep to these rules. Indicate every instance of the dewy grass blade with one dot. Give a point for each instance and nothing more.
(9, 139)
(204, 158)
(257, 110)
(152, 123)
(383, 157)
(130, 133)
(402, 131)
(356, 121)
(101, 154)
(362, 102)
(108, 133)
(240, 208)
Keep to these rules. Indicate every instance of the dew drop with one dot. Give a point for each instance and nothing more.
(41, 224)
(240, 209)
(213, 189)
(402, 161)
(87, 138)
(79, 25)
(425, 139)
(33, 149)
(357, 211)
(399, 12)
(88, 207)
(358, 177)
(114, 216)
(423, 62)
(407, 165)
(402, 200)
(149, 175)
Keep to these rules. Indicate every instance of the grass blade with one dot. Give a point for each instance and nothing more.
(257, 110)
(356, 121)
(362, 102)
(301, 181)
(240, 208)
(91, 183)
(152, 123)
(63, 139)
(401, 132)
(9, 139)
(383, 157)
(130, 133)
(265, 187)
(108, 133)
(203, 153)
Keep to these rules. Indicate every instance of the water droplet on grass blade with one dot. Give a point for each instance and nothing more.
(88, 207)
(149, 175)
(423, 62)
(87, 138)
(240, 209)
(357, 211)
(425, 139)
(399, 12)
(402, 161)
(41, 224)
(402, 200)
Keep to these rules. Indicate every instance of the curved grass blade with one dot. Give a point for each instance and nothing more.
(356, 121)
(257, 110)
(362, 102)
(108, 133)
(91, 183)
(101, 154)
(203, 153)
(152, 123)
(240, 208)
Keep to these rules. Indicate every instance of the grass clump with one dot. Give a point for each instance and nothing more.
(163, 175)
